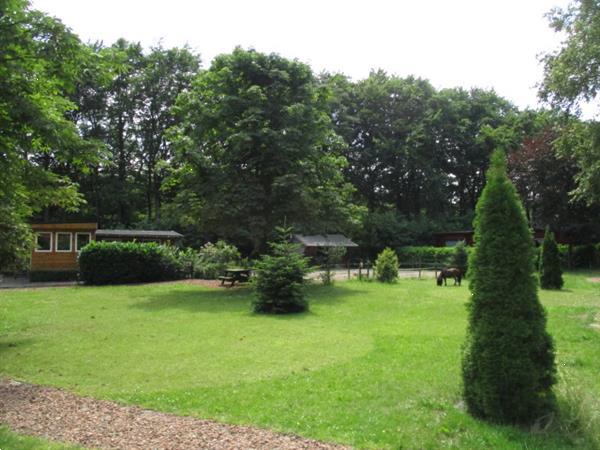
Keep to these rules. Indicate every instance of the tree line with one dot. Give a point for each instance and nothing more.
(147, 138)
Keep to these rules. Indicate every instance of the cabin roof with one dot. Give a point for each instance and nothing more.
(152, 234)
(324, 240)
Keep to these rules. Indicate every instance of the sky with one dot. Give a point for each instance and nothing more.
(492, 44)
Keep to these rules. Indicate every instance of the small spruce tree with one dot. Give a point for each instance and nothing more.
(279, 278)
(550, 271)
(508, 361)
(386, 266)
(460, 257)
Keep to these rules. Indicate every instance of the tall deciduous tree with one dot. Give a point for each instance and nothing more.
(259, 149)
(572, 78)
(39, 64)
(165, 74)
(508, 362)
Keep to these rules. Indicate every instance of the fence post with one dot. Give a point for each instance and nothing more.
(368, 269)
(435, 266)
(360, 267)
(420, 265)
(348, 267)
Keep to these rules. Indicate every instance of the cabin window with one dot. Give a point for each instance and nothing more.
(63, 242)
(44, 242)
(83, 239)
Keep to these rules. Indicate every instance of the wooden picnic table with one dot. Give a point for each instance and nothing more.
(235, 274)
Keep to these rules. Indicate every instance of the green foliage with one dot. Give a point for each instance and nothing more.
(508, 361)
(388, 228)
(550, 271)
(328, 258)
(213, 259)
(571, 80)
(278, 279)
(128, 262)
(256, 146)
(40, 62)
(585, 256)
(16, 239)
(425, 255)
(460, 257)
(386, 266)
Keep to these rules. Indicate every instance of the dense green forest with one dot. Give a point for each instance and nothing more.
(149, 138)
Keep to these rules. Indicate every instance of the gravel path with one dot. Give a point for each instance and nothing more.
(62, 416)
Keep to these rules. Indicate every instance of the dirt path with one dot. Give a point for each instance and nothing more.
(62, 416)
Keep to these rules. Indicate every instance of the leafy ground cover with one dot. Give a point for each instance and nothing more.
(371, 365)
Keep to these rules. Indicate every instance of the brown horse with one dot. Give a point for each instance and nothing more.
(450, 272)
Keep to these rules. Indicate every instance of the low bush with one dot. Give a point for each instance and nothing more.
(128, 262)
(53, 275)
(213, 259)
(386, 266)
(279, 278)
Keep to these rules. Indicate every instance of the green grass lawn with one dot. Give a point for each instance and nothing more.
(371, 365)
(13, 441)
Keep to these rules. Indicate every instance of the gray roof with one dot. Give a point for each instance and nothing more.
(150, 234)
(324, 240)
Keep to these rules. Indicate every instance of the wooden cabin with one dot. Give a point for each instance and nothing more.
(58, 244)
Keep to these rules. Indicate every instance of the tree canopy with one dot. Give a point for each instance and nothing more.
(572, 79)
(259, 149)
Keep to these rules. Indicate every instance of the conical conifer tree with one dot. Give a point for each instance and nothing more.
(508, 362)
(550, 271)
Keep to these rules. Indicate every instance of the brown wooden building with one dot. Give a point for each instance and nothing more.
(58, 244)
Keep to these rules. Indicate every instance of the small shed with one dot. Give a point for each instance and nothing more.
(312, 243)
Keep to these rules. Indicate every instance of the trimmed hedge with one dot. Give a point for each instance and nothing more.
(38, 276)
(439, 256)
(128, 262)
(581, 257)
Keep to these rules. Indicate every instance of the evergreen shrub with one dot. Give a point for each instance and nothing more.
(508, 359)
(460, 258)
(278, 278)
(386, 266)
(128, 262)
(550, 271)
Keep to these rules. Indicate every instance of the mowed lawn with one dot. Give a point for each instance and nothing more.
(371, 365)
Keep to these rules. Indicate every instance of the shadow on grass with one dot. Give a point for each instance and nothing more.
(235, 300)
(13, 344)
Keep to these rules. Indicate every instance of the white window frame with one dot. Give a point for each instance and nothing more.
(37, 250)
(89, 235)
(70, 242)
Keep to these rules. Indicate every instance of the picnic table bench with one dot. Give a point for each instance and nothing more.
(233, 275)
